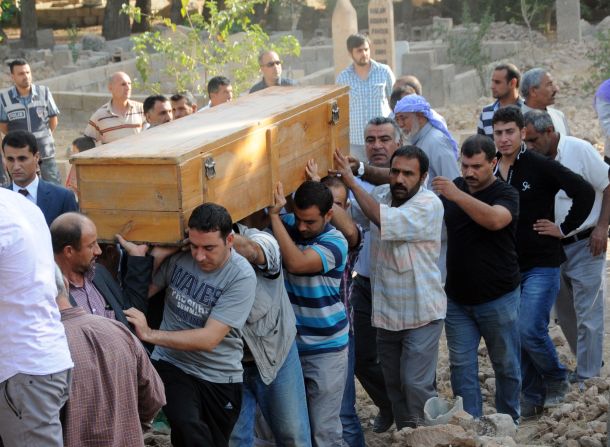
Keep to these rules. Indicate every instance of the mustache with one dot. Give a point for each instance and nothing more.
(469, 178)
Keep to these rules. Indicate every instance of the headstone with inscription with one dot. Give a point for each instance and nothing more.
(568, 20)
(344, 23)
(381, 31)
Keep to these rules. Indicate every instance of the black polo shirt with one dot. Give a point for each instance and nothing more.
(481, 264)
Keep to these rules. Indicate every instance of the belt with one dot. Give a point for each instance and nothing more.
(584, 234)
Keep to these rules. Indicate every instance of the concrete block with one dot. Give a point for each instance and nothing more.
(442, 24)
(45, 38)
(322, 77)
(61, 59)
(68, 100)
(419, 63)
(465, 88)
(497, 49)
(568, 20)
(401, 48)
(436, 87)
(93, 101)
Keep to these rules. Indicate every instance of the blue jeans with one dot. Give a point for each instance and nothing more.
(352, 430)
(497, 322)
(283, 403)
(539, 361)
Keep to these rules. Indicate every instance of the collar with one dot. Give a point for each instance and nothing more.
(72, 312)
(108, 107)
(421, 133)
(32, 189)
(33, 92)
(562, 143)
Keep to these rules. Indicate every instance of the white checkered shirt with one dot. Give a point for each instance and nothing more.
(405, 278)
(368, 98)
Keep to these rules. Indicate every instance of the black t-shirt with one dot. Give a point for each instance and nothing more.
(481, 264)
(538, 180)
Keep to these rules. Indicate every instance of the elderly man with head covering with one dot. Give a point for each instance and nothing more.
(426, 130)
(602, 107)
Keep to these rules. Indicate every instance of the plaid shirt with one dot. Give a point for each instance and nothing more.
(405, 278)
(368, 98)
(114, 386)
(89, 298)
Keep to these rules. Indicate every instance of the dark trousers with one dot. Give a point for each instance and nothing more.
(200, 413)
(367, 367)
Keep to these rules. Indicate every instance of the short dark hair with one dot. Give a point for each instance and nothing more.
(312, 193)
(16, 63)
(211, 217)
(20, 139)
(512, 72)
(332, 181)
(380, 121)
(399, 92)
(508, 114)
(66, 232)
(476, 144)
(215, 83)
(413, 152)
(356, 40)
(188, 96)
(84, 143)
(149, 103)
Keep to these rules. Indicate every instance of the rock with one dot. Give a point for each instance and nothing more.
(45, 38)
(463, 419)
(490, 384)
(61, 59)
(603, 26)
(547, 438)
(591, 391)
(571, 443)
(93, 42)
(526, 433)
(498, 424)
(587, 441)
(575, 432)
(600, 383)
(431, 436)
(561, 428)
(489, 441)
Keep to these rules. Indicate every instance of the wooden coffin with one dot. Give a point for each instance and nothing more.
(145, 186)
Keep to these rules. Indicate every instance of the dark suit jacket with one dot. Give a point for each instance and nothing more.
(134, 290)
(54, 200)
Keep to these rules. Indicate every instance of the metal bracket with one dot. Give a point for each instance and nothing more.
(334, 113)
(210, 167)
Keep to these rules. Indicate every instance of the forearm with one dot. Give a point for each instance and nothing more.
(249, 250)
(184, 340)
(368, 205)
(344, 223)
(604, 215)
(53, 121)
(376, 175)
(489, 217)
(292, 256)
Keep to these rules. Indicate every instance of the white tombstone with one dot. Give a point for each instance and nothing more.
(381, 31)
(344, 23)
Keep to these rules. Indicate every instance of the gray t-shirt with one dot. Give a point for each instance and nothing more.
(192, 296)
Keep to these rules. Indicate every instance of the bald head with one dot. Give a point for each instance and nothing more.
(67, 229)
(119, 86)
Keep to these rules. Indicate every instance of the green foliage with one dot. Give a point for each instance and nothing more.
(73, 35)
(465, 48)
(600, 58)
(8, 9)
(227, 44)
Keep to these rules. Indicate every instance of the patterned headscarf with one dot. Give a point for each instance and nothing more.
(603, 92)
(416, 103)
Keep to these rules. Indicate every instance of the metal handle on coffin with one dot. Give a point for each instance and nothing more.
(334, 113)
(209, 166)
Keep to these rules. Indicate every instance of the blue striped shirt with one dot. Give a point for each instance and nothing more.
(321, 319)
(368, 98)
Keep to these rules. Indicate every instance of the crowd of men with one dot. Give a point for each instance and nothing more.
(355, 275)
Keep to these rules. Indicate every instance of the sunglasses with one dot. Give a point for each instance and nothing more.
(272, 63)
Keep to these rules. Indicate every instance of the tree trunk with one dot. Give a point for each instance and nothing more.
(174, 13)
(116, 25)
(146, 9)
(29, 23)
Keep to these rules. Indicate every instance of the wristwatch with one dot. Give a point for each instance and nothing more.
(360, 171)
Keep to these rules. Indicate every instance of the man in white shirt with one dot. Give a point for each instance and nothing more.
(35, 362)
(580, 303)
(538, 89)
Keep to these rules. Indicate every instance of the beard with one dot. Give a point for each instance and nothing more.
(415, 128)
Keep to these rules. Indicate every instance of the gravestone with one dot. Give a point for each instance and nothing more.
(568, 20)
(344, 23)
(381, 31)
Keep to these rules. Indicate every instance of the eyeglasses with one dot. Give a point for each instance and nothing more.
(272, 63)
